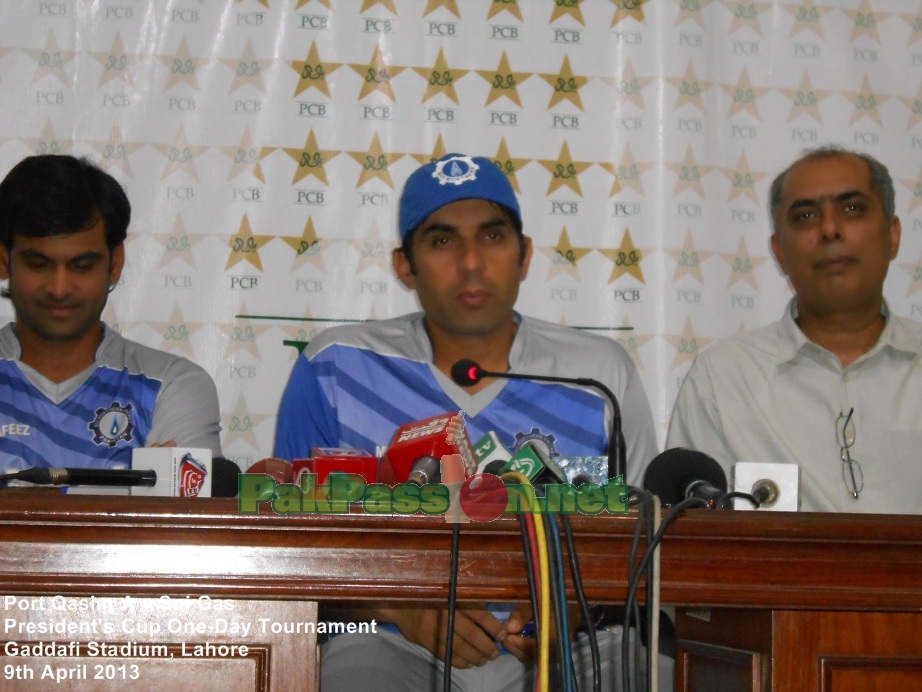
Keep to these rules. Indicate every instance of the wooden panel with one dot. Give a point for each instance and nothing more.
(705, 668)
(870, 674)
(109, 643)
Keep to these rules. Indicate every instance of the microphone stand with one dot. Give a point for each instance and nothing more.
(467, 372)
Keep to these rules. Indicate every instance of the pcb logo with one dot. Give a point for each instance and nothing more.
(112, 425)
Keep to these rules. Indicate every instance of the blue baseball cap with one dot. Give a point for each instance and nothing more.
(453, 177)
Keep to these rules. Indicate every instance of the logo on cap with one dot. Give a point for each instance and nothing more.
(456, 170)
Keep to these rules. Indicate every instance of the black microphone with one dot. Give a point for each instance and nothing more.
(467, 372)
(224, 474)
(72, 476)
(679, 473)
(426, 469)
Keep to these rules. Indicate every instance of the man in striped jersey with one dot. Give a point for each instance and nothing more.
(73, 392)
(464, 254)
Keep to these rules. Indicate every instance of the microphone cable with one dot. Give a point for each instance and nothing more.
(452, 603)
(583, 604)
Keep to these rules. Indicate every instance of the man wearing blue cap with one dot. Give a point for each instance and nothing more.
(464, 254)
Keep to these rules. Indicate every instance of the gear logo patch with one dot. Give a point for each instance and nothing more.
(112, 424)
(456, 170)
(547, 442)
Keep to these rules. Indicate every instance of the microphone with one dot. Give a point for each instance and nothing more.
(74, 476)
(678, 474)
(426, 469)
(466, 373)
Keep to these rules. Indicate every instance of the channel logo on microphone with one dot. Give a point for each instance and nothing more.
(192, 475)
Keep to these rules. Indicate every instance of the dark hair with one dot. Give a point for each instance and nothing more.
(407, 247)
(58, 194)
(880, 179)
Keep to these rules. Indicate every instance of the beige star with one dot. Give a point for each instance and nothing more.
(374, 250)
(866, 103)
(807, 15)
(246, 157)
(626, 259)
(690, 88)
(375, 163)
(244, 336)
(183, 67)
(914, 104)
(915, 186)
(248, 70)
(915, 28)
(311, 160)
(510, 6)
(746, 13)
(691, 9)
(806, 99)
(114, 151)
(50, 61)
(743, 181)
(628, 8)
(509, 165)
(689, 173)
(688, 260)
(48, 142)
(565, 84)
(628, 88)
(631, 341)
(264, 3)
(308, 248)
(570, 8)
(244, 246)
(564, 257)
(742, 265)
(176, 334)
(915, 271)
(438, 151)
(744, 96)
(110, 317)
(376, 75)
(240, 425)
(313, 72)
(178, 244)
(180, 156)
(866, 20)
(504, 82)
(564, 170)
(440, 78)
(628, 173)
(326, 3)
(450, 5)
(687, 345)
(116, 63)
(387, 4)
(299, 336)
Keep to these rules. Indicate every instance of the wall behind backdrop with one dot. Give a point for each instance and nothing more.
(264, 143)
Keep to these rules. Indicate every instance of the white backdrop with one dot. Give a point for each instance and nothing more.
(264, 143)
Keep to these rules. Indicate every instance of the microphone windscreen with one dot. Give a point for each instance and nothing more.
(670, 473)
(224, 477)
(495, 467)
(465, 373)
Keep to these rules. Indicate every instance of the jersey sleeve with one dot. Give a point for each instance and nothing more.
(187, 410)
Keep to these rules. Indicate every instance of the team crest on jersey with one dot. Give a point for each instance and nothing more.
(456, 170)
(112, 424)
(548, 442)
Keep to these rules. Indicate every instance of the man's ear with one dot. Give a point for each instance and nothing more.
(402, 269)
(896, 231)
(116, 264)
(527, 250)
(778, 251)
(4, 263)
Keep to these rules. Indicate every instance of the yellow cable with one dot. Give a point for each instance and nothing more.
(544, 618)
